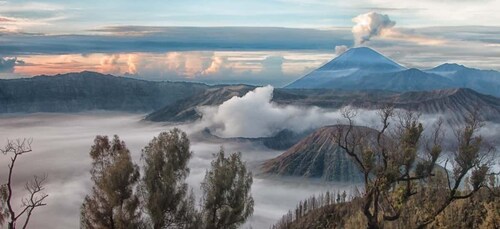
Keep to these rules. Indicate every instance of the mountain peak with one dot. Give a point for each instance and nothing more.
(355, 61)
(363, 58)
(448, 67)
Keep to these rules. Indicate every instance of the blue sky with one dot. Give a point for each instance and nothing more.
(57, 16)
(241, 39)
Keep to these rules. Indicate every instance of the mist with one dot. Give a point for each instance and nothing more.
(61, 143)
(255, 115)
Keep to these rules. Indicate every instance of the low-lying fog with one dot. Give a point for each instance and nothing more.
(61, 143)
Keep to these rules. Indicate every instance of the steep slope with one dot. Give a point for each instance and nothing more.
(85, 91)
(355, 61)
(185, 109)
(317, 156)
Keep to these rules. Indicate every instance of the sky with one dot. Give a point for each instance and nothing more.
(247, 41)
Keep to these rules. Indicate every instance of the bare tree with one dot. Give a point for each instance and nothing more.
(395, 159)
(34, 187)
(469, 157)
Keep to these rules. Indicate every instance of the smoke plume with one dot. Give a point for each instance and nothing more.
(370, 25)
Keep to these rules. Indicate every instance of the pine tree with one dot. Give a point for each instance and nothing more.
(227, 201)
(113, 203)
(163, 186)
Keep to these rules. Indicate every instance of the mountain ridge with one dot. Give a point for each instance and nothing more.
(454, 103)
(335, 75)
(83, 91)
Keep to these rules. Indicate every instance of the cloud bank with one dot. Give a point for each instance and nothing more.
(61, 143)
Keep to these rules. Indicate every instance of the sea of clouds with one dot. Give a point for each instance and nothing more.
(61, 143)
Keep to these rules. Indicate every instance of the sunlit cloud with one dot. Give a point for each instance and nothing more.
(275, 68)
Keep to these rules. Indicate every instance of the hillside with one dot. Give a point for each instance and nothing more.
(83, 91)
(185, 109)
(317, 156)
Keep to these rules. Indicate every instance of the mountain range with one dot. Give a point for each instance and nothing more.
(364, 69)
(454, 103)
(360, 77)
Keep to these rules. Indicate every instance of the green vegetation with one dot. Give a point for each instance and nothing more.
(163, 186)
(227, 202)
(160, 198)
(113, 203)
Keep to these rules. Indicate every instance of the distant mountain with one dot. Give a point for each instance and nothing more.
(186, 109)
(317, 156)
(455, 103)
(83, 91)
(484, 81)
(446, 68)
(362, 58)
(365, 69)
(355, 61)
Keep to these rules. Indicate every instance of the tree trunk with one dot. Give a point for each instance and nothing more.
(372, 225)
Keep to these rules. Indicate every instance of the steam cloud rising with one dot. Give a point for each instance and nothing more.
(255, 115)
(370, 25)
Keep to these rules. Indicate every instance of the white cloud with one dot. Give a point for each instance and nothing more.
(255, 115)
(369, 25)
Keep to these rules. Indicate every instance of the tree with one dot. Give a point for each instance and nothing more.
(227, 201)
(392, 171)
(163, 186)
(34, 187)
(113, 203)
